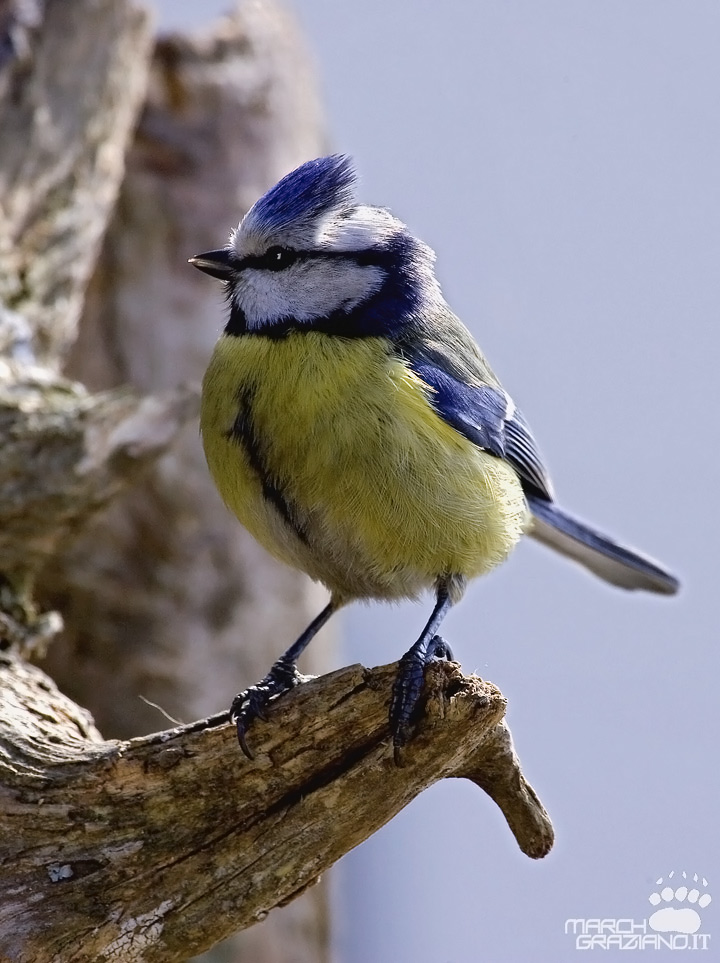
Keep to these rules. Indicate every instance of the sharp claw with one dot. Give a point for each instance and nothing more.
(243, 742)
(251, 704)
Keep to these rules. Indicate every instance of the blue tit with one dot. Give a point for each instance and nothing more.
(352, 424)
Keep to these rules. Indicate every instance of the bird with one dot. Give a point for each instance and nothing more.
(352, 424)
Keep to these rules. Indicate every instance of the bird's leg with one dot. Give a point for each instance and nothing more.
(411, 673)
(283, 676)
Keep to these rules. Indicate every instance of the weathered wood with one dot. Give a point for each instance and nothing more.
(72, 76)
(165, 596)
(187, 598)
(152, 849)
(66, 453)
(71, 83)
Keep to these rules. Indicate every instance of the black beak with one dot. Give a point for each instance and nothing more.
(215, 263)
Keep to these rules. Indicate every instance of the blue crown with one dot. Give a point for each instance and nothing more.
(314, 188)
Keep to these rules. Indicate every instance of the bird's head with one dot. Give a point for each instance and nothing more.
(306, 256)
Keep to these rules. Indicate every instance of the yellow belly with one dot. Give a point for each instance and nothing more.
(328, 452)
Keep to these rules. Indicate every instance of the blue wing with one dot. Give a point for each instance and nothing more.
(486, 415)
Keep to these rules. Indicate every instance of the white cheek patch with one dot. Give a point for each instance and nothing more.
(307, 291)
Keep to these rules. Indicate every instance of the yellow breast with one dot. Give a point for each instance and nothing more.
(328, 451)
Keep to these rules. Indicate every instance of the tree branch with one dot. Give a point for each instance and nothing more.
(164, 844)
(155, 848)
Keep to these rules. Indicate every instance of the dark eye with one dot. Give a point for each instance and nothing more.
(277, 258)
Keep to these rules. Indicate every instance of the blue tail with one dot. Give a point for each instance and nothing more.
(602, 555)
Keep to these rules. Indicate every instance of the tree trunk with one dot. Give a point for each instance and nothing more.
(165, 596)
(155, 848)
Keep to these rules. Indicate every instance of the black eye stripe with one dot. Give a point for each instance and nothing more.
(278, 258)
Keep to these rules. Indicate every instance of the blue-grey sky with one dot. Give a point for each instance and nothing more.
(563, 158)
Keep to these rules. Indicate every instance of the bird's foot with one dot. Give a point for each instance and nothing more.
(251, 703)
(408, 687)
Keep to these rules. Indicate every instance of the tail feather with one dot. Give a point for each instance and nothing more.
(600, 554)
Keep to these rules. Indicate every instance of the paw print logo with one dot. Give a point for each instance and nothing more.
(680, 912)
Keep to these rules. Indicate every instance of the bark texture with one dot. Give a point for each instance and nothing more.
(71, 83)
(152, 849)
(72, 75)
(164, 595)
(155, 847)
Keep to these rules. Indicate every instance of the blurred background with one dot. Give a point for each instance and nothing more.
(562, 159)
